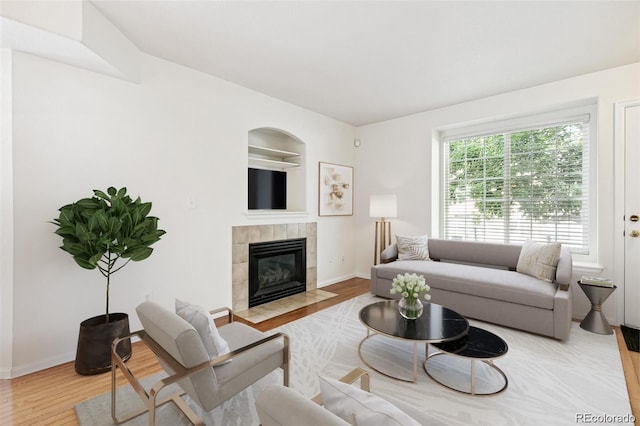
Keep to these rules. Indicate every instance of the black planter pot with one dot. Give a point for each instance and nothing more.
(93, 355)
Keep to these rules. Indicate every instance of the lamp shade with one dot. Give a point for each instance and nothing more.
(383, 206)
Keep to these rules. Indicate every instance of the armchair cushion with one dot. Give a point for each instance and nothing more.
(249, 366)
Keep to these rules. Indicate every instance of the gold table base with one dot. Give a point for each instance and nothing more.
(415, 358)
(473, 375)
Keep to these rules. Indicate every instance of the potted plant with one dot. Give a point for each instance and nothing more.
(105, 232)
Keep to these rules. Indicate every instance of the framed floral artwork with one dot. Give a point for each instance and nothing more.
(335, 190)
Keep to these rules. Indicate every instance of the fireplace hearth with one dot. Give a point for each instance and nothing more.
(277, 269)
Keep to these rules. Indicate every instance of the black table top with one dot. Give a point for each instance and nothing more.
(478, 343)
(436, 324)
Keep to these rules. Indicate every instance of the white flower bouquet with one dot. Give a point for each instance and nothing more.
(410, 286)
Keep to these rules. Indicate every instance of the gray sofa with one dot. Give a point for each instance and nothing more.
(479, 280)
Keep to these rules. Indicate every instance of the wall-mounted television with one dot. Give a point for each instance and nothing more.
(267, 189)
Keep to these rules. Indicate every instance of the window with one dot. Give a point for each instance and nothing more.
(519, 182)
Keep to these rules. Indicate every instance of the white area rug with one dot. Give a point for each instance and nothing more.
(550, 382)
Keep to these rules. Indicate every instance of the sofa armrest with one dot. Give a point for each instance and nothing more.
(389, 254)
(564, 269)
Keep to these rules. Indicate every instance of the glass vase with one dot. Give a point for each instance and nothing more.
(410, 308)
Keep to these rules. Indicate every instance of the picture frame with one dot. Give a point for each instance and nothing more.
(335, 190)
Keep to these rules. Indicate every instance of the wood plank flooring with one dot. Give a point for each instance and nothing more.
(48, 397)
(631, 366)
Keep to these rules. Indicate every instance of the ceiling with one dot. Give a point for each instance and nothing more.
(363, 61)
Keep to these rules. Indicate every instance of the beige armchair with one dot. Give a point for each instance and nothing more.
(341, 406)
(180, 350)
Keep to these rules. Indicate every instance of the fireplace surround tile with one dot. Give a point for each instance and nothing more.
(243, 235)
(239, 235)
(241, 297)
(280, 232)
(266, 233)
(240, 253)
(254, 234)
(311, 245)
(239, 272)
(312, 229)
(292, 230)
(311, 278)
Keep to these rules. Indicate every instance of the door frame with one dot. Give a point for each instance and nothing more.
(619, 202)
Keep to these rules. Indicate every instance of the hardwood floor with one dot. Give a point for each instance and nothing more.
(631, 366)
(48, 396)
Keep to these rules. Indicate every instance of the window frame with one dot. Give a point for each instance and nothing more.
(588, 109)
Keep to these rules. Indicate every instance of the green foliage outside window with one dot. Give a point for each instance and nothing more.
(535, 173)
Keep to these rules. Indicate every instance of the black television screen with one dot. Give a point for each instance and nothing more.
(267, 189)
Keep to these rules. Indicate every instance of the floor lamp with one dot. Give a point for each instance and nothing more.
(384, 207)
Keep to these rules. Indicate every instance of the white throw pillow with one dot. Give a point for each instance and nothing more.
(539, 260)
(413, 248)
(203, 322)
(360, 408)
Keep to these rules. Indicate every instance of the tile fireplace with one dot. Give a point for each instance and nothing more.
(279, 277)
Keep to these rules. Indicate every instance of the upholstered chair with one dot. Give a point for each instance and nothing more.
(208, 381)
(340, 404)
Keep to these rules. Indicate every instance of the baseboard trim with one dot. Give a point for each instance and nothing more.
(23, 370)
(336, 280)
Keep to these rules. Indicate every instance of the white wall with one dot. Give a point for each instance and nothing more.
(178, 133)
(397, 157)
(6, 213)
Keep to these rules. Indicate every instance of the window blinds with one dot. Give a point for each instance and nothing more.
(511, 183)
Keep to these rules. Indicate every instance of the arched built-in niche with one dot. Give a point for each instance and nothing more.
(275, 149)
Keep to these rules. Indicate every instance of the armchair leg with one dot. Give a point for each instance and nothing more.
(148, 399)
(179, 402)
(287, 358)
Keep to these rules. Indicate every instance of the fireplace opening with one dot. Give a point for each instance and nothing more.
(277, 269)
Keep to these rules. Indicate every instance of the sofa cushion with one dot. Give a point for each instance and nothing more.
(412, 248)
(539, 260)
(475, 252)
(358, 407)
(491, 283)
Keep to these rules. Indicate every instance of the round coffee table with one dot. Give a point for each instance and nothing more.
(436, 324)
(478, 344)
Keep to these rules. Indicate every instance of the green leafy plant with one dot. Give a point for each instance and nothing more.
(107, 231)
